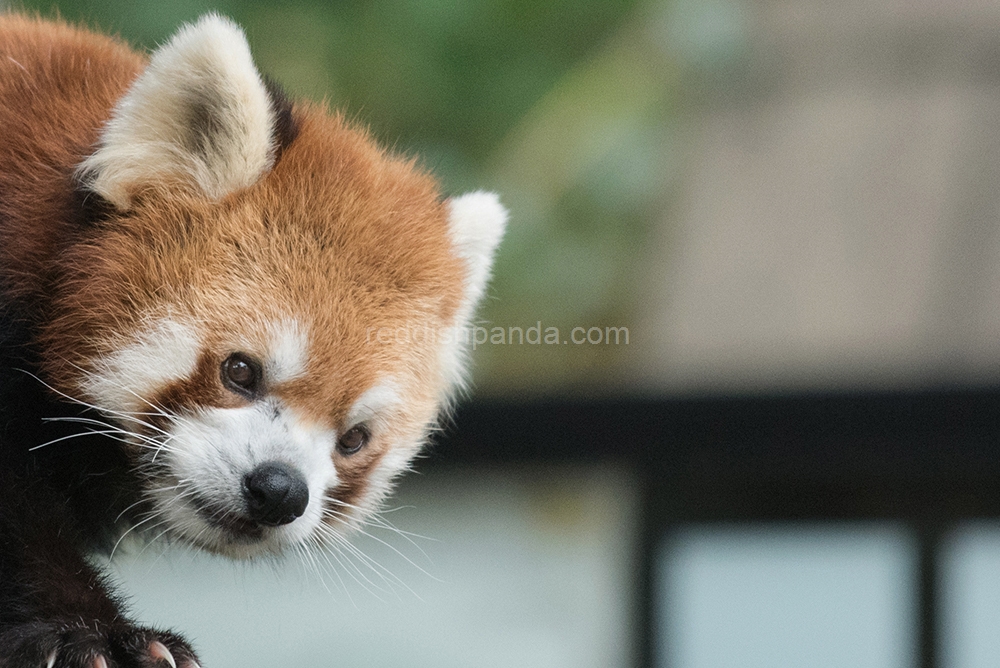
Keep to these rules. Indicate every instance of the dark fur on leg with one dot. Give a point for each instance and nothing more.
(56, 503)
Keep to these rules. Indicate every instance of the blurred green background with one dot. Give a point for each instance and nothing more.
(558, 105)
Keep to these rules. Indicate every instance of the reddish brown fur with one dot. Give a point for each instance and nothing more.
(57, 86)
(339, 235)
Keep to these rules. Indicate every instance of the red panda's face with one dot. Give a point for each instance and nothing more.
(274, 334)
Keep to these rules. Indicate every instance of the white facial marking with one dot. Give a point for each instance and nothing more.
(205, 75)
(396, 460)
(166, 352)
(211, 452)
(376, 404)
(289, 351)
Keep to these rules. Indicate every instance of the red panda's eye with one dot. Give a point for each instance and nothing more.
(241, 373)
(353, 440)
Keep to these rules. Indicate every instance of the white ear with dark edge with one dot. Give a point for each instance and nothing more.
(476, 221)
(199, 117)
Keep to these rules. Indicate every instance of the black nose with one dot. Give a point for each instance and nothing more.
(276, 494)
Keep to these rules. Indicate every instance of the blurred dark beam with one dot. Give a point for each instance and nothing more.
(835, 455)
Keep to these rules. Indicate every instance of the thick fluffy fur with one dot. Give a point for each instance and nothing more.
(163, 223)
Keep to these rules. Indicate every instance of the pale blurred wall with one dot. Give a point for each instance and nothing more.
(838, 218)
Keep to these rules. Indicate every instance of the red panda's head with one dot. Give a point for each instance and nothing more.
(274, 310)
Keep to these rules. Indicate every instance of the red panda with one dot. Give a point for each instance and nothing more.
(227, 320)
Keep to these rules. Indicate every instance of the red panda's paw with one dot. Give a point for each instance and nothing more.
(43, 645)
(148, 648)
